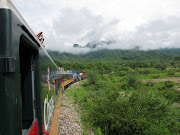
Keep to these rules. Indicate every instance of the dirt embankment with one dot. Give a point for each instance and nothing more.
(174, 79)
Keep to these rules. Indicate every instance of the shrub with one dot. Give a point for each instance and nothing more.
(177, 58)
(150, 83)
(121, 73)
(124, 84)
(155, 76)
(147, 71)
(161, 66)
(101, 84)
(132, 80)
(144, 70)
(170, 95)
(171, 72)
(123, 68)
(92, 76)
(145, 114)
(169, 84)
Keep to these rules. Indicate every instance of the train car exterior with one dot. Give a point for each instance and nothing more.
(75, 74)
(29, 79)
(82, 75)
(50, 85)
(67, 79)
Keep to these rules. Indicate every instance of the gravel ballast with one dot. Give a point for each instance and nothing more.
(69, 119)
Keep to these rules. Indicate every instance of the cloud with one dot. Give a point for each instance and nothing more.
(79, 26)
(148, 24)
(82, 26)
(159, 33)
(76, 22)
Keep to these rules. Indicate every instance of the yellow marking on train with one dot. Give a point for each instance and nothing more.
(54, 126)
(67, 82)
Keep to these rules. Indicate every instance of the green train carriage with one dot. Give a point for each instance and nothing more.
(28, 90)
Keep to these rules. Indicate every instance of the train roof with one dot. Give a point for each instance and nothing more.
(7, 4)
(65, 72)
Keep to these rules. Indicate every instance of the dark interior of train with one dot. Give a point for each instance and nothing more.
(26, 53)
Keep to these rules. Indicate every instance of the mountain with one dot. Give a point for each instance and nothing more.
(117, 55)
(95, 44)
(77, 46)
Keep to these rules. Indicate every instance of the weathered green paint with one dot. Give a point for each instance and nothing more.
(17, 47)
(6, 79)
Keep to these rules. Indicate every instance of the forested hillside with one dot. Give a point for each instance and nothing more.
(116, 55)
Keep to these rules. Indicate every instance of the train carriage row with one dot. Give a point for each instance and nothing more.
(30, 81)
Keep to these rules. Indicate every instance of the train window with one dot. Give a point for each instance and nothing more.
(27, 72)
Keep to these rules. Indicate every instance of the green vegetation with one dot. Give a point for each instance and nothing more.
(118, 55)
(119, 107)
(123, 104)
(121, 97)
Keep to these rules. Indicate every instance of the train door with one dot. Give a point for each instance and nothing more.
(28, 92)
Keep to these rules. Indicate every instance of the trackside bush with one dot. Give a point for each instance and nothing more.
(145, 114)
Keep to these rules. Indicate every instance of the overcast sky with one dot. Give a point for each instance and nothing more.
(149, 24)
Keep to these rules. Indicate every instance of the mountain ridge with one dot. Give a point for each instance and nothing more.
(95, 44)
(117, 55)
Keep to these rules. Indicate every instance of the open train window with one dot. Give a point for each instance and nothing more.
(28, 94)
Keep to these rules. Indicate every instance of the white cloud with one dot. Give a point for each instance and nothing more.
(149, 24)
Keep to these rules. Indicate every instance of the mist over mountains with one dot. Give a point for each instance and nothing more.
(78, 49)
(104, 51)
(95, 44)
(116, 54)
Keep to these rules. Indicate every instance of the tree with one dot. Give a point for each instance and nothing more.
(92, 76)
